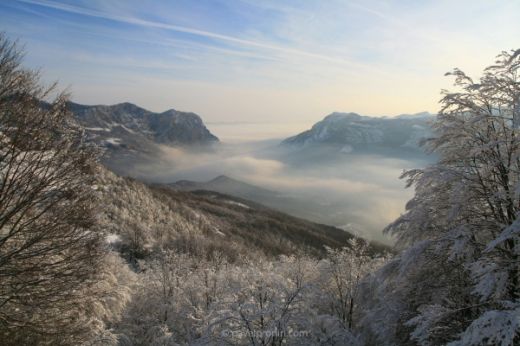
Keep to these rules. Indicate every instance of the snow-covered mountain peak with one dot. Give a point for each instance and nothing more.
(350, 132)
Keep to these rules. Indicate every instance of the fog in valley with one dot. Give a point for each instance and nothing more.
(358, 192)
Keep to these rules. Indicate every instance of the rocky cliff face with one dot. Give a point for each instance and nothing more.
(131, 135)
(114, 124)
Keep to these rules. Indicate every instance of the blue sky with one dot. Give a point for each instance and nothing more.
(261, 61)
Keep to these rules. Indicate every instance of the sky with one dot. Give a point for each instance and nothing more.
(252, 61)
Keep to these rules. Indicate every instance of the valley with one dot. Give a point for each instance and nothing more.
(310, 175)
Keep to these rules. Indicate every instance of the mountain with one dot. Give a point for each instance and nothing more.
(351, 132)
(420, 115)
(170, 127)
(139, 218)
(292, 205)
(227, 185)
(130, 133)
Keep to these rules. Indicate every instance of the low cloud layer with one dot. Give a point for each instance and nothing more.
(360, 193)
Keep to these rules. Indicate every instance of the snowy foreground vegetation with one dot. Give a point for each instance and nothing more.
(182, 281)
(91, 258)
(179, 299)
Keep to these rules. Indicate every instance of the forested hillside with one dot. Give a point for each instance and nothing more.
(141, 219)
(207, 268)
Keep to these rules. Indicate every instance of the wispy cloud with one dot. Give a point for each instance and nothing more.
(275, 61)
(182, 29)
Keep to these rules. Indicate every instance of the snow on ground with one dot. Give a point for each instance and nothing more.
(218, 232)
(128, 129)
(113, 238)
(238, 204)
(113, 141)
(97, 129)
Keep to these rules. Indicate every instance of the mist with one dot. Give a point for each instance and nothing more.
(358, 192)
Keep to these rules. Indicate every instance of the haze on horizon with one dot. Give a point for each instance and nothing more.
(261, 61)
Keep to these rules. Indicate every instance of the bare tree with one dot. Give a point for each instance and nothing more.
(49, 248)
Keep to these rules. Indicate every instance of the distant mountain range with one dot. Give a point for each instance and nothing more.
(348, 132)
(301, 206)
(292, 205)
(227, 185)
(130, 133)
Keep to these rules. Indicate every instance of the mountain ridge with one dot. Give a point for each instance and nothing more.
(226, 185)
(131, 135)
(170, 127)
(351, 131)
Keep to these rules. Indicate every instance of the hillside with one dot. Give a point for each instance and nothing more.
(224, 184)
(139, 219)
(230, 186)
(294, 205)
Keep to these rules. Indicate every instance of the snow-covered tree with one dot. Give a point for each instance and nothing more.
(458, 281)
(261, 306)
(290, 300)
(341, 274)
